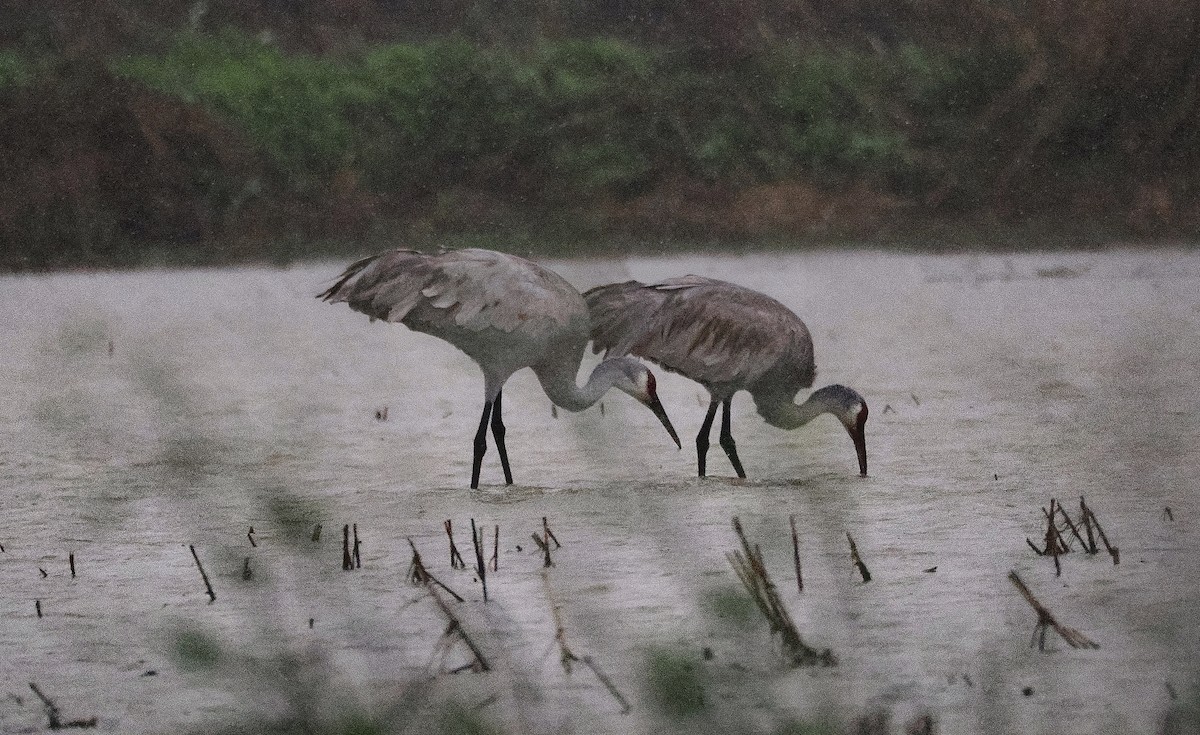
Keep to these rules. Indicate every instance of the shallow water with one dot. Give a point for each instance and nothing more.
(142, 412)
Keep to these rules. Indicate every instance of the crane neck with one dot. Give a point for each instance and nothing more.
(782, 412)
(563, 392)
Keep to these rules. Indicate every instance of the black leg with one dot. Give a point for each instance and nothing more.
(498, 433)
(727, 442)
(702, 437)
(480, 445)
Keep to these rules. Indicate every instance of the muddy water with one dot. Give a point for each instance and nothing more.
(143, 412)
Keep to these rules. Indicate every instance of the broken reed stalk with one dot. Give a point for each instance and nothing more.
(608, 683)
(1113, 551)
(1053, 536)
(316, 535)
(858, 562)
(567, 656)
(544, 542)
(51, 707)
(496, 551)
(347, 560)
(212, 596)
(1070, 524)
(37, 605)
(796, 554)
(357, 544)
(1053, 540)
(748, 565)
(56, 722)
(480, 566)
(548, 534)
(1090, 546)
(71, 561)
(456, 560)
(250, 535)
(424, 577)
(1074, 638)
(418, 574)
(246, 573)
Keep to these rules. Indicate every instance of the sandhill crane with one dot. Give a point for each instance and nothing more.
(727, 338)
(505, 313)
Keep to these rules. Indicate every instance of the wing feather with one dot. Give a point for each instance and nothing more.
(469, 290)
(714, 332)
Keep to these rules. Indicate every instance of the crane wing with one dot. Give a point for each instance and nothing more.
(711, 331)
(470, 290)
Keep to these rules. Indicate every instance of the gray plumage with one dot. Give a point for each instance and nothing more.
(727, 338)
(506, 313)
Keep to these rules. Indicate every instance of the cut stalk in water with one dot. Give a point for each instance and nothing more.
(548, 535)
(212, 596)
(858, 562)
(421, 575)
(357, 554)
(56, 722)
(347, 560)
(250, 535)
(480, 566)
(1070, 524)
(71, 561)
(496, 551)
(456, 560)
(567, 656)
(796, 554)
(748, 565)
(1074, 638)
(316, 534)
(1113, 551)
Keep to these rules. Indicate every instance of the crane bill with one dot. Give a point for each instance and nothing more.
(656, 406)
(859, 435)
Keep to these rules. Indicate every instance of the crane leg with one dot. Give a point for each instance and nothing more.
(480, 445)
(702, 437)
(498, 433)
(727, 442)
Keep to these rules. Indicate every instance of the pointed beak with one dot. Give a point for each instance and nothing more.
(858, 433)
(656, 406)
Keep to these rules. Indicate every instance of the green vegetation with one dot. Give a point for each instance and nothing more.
(14, 70)
(299, 111)
(563, 121)
(233, 131)
(675, 684)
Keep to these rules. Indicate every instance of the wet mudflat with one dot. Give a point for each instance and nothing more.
(141, 413)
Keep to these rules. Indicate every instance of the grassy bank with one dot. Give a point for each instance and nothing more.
(226, 147)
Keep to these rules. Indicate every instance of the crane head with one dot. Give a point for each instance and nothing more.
(639, 382)
(850, 408)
